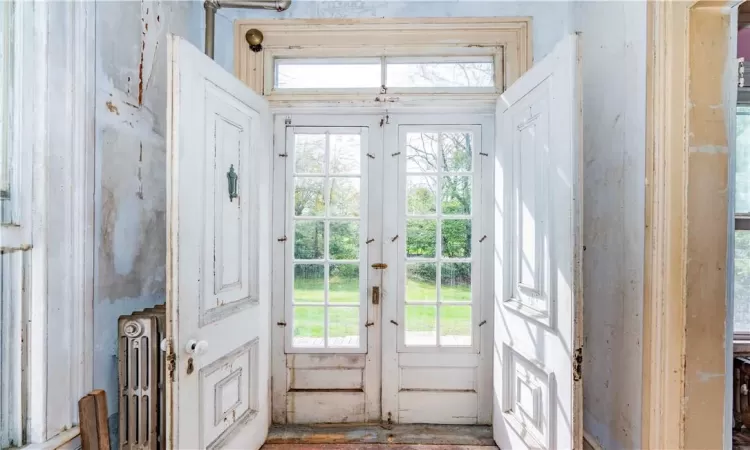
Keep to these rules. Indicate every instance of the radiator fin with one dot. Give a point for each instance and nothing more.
(141, 379)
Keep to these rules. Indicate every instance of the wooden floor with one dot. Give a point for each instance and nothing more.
(379, 437)
(373, 447)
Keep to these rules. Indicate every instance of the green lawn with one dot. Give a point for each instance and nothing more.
(343, 320)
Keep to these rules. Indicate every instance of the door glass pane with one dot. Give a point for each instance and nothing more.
(456, 151)
(344, 241)
(456, 238)
(741, 281)
(309, 153)
(308, 326)
(420, 193)
(343, 283)
(742, 174)
(343, 327)
(308, 197)
(463, 72)
(309, 239)
(455, 325)
(421, 285)
(421, 236)
(308, 283)
(456, 197)
(455, 282)
(329, 73)
(344, 157)
(344, 197)
(421, 152)
(421, 325)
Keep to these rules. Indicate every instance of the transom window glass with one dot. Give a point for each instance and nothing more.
(327, 73)
(428, 73)
(328, 276)
(467, 72)
(439, 176)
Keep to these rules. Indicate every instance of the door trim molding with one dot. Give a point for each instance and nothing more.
(689, 131)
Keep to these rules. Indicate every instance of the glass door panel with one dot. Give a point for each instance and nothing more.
(327, 214)
(437, 180)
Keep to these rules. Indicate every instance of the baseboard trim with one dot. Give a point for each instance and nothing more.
(67, 440)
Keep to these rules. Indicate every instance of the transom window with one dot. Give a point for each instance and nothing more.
(380, 62)
(467, 72)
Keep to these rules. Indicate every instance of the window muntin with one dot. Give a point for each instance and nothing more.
(403, 73)
(438, 257)
(328, 226)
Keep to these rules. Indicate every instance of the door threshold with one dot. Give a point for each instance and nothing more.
(403, 437)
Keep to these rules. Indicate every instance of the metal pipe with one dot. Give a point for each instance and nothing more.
(211, 6)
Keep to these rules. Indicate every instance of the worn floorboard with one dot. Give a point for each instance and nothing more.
(401, 437)
(374, 447)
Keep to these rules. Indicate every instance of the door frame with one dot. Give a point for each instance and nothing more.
(687, 342)
(313, 115)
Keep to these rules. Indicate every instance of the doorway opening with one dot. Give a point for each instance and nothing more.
(382, 273)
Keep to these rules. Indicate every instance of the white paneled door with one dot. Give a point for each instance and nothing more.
(218, 286)
(538, 293)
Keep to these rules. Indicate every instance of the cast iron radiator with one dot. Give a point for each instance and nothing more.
(141, 379)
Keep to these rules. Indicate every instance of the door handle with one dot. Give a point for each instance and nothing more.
(196, 348)
(376, 295)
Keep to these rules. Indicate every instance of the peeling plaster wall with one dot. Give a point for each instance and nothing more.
(131, 106)
(614, 139)
(131, 101)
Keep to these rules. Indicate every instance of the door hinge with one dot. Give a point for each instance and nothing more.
(577, 364)
(171, 360)
(11, 249)
(741, 72)
(288, 120)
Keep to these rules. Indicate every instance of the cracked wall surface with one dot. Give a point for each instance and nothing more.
(131, 102)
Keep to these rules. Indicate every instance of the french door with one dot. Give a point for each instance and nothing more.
(327, 172)
(379, 297)
(437, 304)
